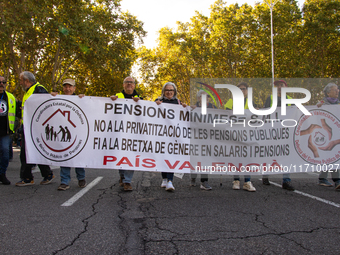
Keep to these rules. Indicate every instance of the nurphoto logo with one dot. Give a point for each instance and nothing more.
(238, 100)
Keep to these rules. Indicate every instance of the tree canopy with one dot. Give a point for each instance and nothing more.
(234, 42)
(92, 41)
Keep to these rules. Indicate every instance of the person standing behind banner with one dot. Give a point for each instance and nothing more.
(69, 88)
(229, 105)
(169, 96)
(7, 117)
(286, 181)
(204, 177)
(31, 86)
(128, 92)
(331, 92)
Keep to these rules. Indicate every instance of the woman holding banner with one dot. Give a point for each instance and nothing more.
(169, 95)
(331, 92)
(204, 177)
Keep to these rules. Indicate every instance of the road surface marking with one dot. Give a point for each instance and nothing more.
(73, 199)
(310, 196)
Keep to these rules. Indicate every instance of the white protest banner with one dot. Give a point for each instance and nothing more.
(95, 132)
(271, 144)
(100, 133)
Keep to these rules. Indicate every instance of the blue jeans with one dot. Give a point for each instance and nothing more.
(65, 174)
(246, 178)
(126, 175)
(10, 150)
(169, 176)
(285, 178)
(335, 175)
(5, 142)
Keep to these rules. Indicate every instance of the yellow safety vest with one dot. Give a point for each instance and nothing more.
(27, 94)
(11, 110)
(121, 95)
(229, 104)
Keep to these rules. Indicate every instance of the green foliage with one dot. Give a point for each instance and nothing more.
(321, 32)
(90, 41)
(234, 42)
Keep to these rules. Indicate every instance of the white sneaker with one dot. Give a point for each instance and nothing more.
(248, 186)
(236, 184)
(169, 186)
(205, 186)
(164, 182)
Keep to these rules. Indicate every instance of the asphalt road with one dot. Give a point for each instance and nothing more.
(40, 219)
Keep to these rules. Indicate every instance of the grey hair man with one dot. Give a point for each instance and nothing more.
(31, 86)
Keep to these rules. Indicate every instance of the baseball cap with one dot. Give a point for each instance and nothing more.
(69, 81)
(280, 81)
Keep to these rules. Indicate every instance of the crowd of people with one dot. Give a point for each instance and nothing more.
(10, 111)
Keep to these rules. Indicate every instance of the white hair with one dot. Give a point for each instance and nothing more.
(163, 90)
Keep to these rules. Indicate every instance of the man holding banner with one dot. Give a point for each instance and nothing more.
(69, 88)
(229, 105)
(128, 92)
(31, 86)
(286, 181)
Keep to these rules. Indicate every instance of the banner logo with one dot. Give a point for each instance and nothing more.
(55, 133)
(321, 128)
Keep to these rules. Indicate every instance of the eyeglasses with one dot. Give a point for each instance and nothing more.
(243, 89)
(169, 90)
(3, 82)
(129, 82)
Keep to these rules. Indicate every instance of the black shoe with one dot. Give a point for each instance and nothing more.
(265, 181)
(48, 179)
(4, 180)
(82, 183)
(287, 186)
(25, 182)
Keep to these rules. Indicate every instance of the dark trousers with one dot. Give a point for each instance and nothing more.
(26, 169)
(169, 176)
(204, 177)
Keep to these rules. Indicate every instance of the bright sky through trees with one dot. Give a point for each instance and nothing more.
(161, 13)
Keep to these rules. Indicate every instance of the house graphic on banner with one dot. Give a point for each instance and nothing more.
(61, 132)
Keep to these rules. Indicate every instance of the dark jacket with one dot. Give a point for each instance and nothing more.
(170, 101)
